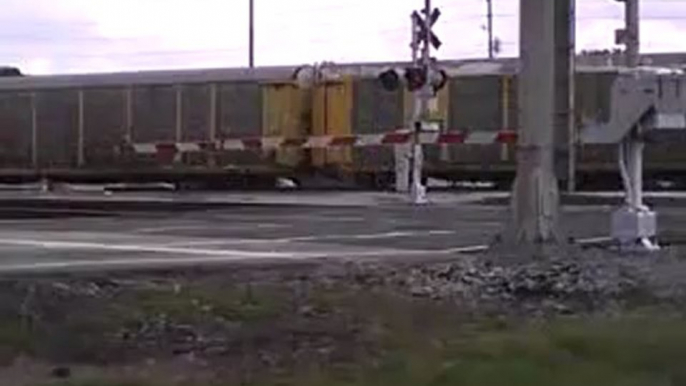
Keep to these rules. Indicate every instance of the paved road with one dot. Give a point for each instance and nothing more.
(123, 239)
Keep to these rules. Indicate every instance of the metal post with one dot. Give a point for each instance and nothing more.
(414, 45)
(535, 194)
(34, 130)
(251, 33)
(632, 33)
(505, 123)
(402, 153)
(565, 125)
(635, 146)
(213, 112)
(418, 190)
(491, 48)
(212, 159)
(636, 170)
(81, 157)
(178, 135)
(178, 131)
(572, 136)
(128, 113)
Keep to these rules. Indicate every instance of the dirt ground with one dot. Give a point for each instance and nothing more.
(344, 324)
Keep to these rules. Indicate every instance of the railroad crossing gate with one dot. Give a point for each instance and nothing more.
(648, 106)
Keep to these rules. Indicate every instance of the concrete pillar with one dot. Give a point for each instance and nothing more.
(535, 193)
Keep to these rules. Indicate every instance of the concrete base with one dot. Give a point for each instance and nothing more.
(635, 229)
(419, 195)
(535, 206)
(402, 168)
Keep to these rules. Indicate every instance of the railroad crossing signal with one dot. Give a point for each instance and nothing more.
(421, 26)
(413, 78)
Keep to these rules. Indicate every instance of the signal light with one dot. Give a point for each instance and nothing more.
(415, 78)
(389, 79)
(440, 80)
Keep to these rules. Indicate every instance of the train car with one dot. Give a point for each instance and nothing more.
(76, 127)
(485, 99)
(166, 125)
(481, 98)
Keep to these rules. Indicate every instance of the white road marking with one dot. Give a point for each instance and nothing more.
(344, 219)
(194, 256)
(200, 260)
(284, 240)
(170, 228)
(272, 226)
(49, 244)
(252, 218)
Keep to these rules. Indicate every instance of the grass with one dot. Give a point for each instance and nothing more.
(415, 342)
(239, 304)
(641, 351)
(627, 352)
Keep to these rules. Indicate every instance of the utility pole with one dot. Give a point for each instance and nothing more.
(489, 14)
(630, 35)
(535, 198)
(251, 33)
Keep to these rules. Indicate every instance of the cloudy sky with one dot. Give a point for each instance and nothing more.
(60, 36)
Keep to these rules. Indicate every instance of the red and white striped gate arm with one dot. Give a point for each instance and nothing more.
(332, 141)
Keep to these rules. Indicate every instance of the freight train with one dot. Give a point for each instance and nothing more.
(90, 127)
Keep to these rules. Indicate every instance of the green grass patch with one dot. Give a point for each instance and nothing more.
(97, 383)
(410, 342)
(242, 304)
(627, 351)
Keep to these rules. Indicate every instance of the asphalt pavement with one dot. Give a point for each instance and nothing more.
(94, 231)
(39, 238)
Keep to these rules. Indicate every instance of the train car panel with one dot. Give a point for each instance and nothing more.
(240, 109)
(195, 121)
(375, 111)
(239, 116)
(16, 135)
(476, 105)
(332, 115)
(104, 126)
(154, 113)
(285, 113)
(57, 124)
(195, 117)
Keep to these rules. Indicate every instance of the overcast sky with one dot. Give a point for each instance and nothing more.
(58, 36)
